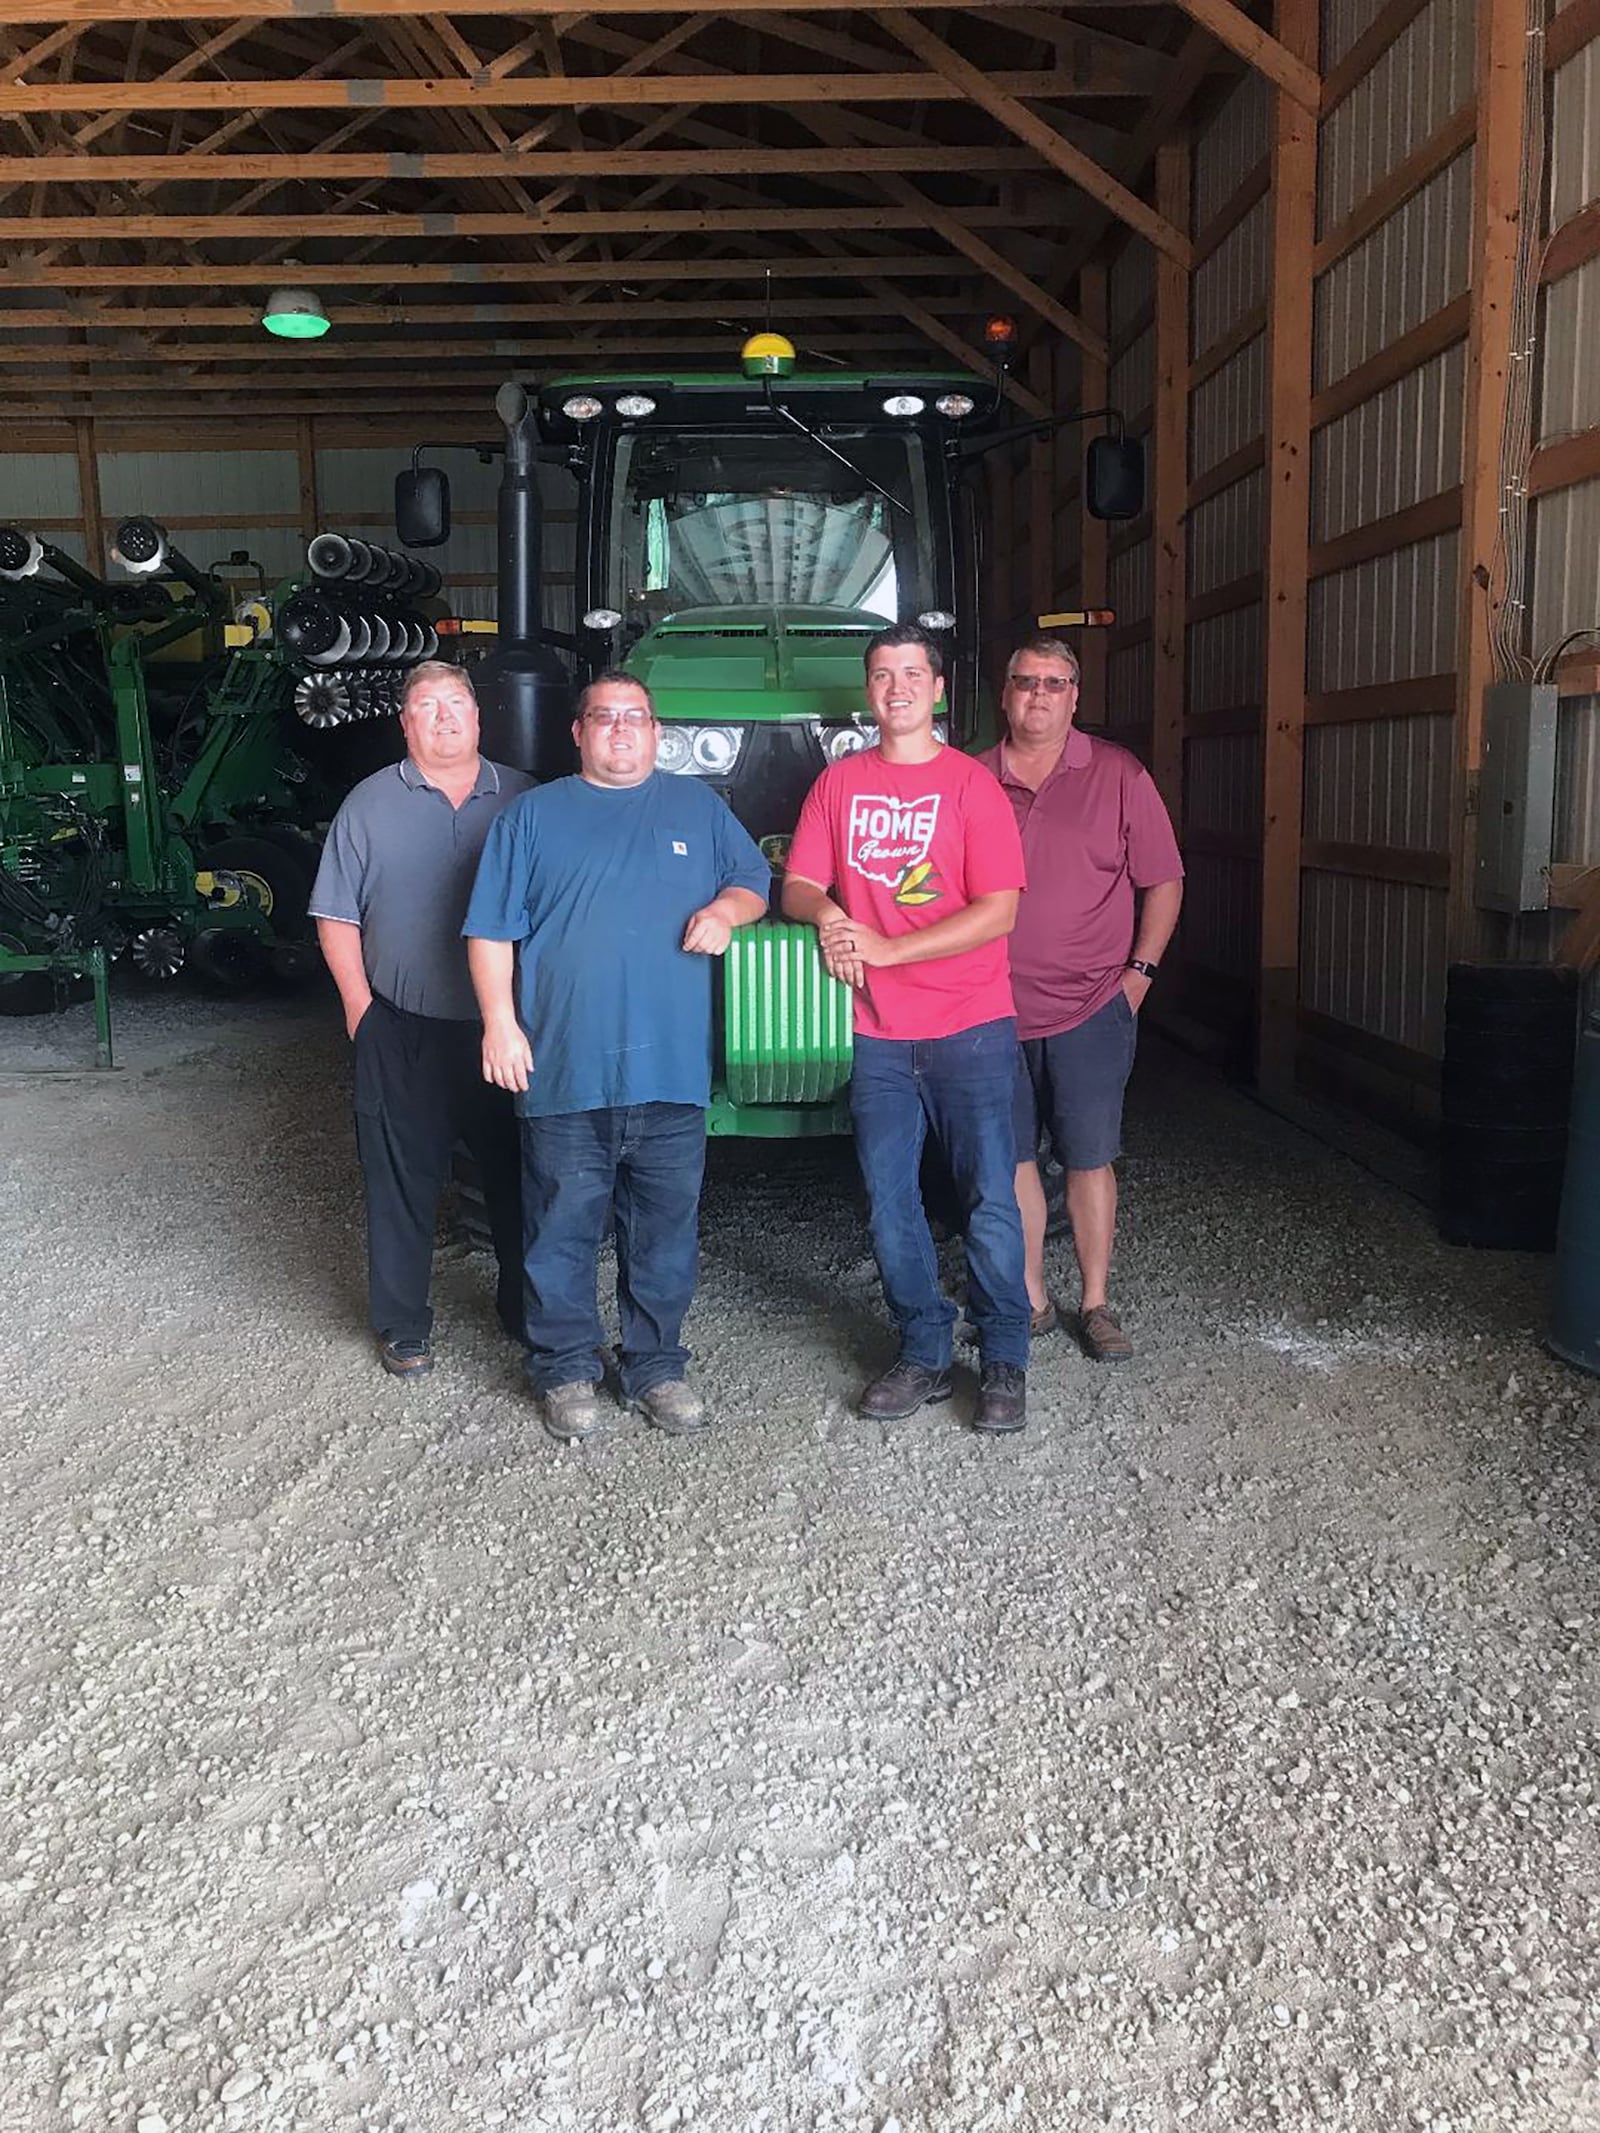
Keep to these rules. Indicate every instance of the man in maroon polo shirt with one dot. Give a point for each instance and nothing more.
(1105, 885)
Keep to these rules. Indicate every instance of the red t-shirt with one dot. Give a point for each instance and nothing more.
(1095, 831)
(901, 845)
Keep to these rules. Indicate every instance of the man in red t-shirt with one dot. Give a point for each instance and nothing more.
(1098, 842)
(919, 849)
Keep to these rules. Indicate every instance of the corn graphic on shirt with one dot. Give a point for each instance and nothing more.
(901, 845)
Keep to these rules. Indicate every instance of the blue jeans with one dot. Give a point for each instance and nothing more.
(644, 1162)
(961, 1088)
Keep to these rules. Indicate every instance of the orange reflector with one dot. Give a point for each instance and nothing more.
(1079, 618)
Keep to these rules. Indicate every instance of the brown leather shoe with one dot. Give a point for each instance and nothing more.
(1002, 1400)
(1045, 1320)
(406, 1359)
(901, 1391)
(1103, 1339)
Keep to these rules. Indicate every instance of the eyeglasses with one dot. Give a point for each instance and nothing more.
(631, 716)
(1052, 684)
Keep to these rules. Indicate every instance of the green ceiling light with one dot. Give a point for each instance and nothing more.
(295, 315)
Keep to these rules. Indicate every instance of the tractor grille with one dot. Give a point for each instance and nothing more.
(786, 1023)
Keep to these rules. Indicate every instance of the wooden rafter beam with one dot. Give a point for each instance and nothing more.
(382, 227)
(521, 92)
(458, 273)
(493, 354)
(84, 13)
(354, 318)
(1258, 48)
(986, 91)
(632, 163)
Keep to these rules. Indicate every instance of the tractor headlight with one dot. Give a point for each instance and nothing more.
(634, 405)
(602, 618)
(581, 407)
(715, 750)
(954, 405)
(20, 553)
(904, 404)
(675, 749)
(937, 618)
(836, 742)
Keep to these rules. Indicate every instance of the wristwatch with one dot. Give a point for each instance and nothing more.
(1145, 970)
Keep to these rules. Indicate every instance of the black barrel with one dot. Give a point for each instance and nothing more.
(1505, 1095)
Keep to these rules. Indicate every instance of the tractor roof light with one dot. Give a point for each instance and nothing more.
(141, 547)
(767, 355)
(955, 405)
(295, 315)
(581, 407)
(604, 619)
(937, 618)
(635, 406)
(20, 553)
(904, 404)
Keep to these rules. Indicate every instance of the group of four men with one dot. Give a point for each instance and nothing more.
(553, 945)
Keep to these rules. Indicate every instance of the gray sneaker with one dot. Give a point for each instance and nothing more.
(571, 1412)
(673, 1406)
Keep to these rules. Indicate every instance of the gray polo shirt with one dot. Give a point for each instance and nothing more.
(399, 863)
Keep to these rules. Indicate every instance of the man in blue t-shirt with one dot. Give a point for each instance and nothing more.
(599, 900)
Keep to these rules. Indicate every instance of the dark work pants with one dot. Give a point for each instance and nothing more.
(419, 1090)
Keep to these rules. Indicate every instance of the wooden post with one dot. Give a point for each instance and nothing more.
(1170, 489)
(1043, 575)
(1503, 51)
(1000, 550)
(89, 506)
(1288, 444)
(1096, 568)
(306, 454)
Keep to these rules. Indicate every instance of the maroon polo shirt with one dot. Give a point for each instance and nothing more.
(1094, 832)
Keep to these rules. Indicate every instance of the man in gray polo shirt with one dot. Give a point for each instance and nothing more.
(390, 897)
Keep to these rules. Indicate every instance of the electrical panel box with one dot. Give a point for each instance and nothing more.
(1516, 796)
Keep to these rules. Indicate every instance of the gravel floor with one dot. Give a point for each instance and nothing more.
(1221, 1751)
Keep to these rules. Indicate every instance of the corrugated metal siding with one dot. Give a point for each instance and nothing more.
(38, 485)
(1411, 266)
(1577, 814)
(1132, 377)
(1131, 578)
(1423, 77)
(1233, 142)
(276, 548)
(1390, 619)
(189, 483)
(1566, 562)
(1569, 375)
(1224, 663)
(1222, 784)
(1221, 914)
(1343, 22)
(1229, 409)
(1380, 781)
(1575, 135)
(359, 481)
(1227, 534)
(1130, 284)
(1129, 686)
(1372, 954)
(1233, 280)
(1393, 450)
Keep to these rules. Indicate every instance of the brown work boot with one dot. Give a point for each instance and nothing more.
(1002, 1400)
(571, 1412)
(1103, 1339)
(406, 1358)
(902, 1390)
(673, 1407)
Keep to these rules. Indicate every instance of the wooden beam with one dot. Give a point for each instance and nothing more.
(1379, 862)
(1284, 607)
(1225, 599)
(1426, 696)
(89, 506)
(1504, 55)
(987, 92)
(505, 352)
(602, 317)
(1573, 245)
(305, 449)
(1564, 464)
(458, 273)
(571, 92)
(1246, 328)
(541, 163)
(1094, 571)
(562, 12)
(384, 228)
(1246, 460)
(1247, 195)
(1441, 147)
(1282, 65)
(1570, 28)
(1392, 21)
(1382, 536)
(1169, 493)
(1391, 364)
(1044, 582)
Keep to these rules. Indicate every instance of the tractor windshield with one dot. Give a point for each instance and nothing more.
(757, 520)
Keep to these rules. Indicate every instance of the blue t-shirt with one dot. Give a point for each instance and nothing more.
(596, 884)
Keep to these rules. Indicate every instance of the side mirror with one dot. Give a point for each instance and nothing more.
(422, 507)
(1114, 474)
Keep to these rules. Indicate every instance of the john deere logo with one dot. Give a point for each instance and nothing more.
(775, 851)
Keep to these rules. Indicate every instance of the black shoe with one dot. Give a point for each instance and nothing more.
(1002, 1400)
(406, 1359)
(902, 1390)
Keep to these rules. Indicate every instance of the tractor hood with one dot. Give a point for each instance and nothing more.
(756, 662)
